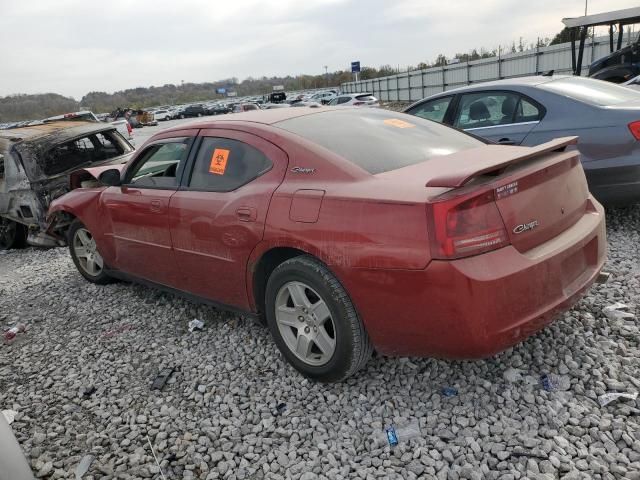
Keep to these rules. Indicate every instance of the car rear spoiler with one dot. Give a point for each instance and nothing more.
(455, 171)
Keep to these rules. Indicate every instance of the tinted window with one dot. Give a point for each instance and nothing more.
(223, 164)
(593, 92)
(379, 140)
(342, 100)
(160, 165)
(334, 101)
(1, 167)
(97, 147)
(433, 110)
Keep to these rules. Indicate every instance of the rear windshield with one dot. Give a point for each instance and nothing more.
(366, 97)
(593, 92)
(379, 140)
(97, 147)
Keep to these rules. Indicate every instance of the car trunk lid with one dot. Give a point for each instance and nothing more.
(539, 191)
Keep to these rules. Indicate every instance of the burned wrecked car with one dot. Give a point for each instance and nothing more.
(35, 166)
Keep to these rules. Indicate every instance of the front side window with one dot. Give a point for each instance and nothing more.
(223, 164)
(433, 110)
(343, 100)
(488, 109)
(160, 165)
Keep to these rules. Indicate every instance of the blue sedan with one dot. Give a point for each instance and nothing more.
(533, 110)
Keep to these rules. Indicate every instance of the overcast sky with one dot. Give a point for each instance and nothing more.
(76, 46)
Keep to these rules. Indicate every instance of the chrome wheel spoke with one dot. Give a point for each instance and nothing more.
(321, 311)
(81, 252)
(303, 346)
(83, 236)
(287, 316)
(324, 342)
(298, 295)
(98, 260)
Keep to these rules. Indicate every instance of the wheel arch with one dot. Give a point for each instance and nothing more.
(262, 267)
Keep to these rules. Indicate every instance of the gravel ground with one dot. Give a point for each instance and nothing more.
(80, 380)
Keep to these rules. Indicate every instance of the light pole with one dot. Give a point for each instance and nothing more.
(326, 74)
(585, 7)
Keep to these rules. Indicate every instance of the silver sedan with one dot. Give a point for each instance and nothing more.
(533, 110)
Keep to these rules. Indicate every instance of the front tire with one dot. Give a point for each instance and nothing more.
(85, 255)
(313, 321)
(12, 234)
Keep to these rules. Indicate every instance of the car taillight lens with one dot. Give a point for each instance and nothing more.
(634, 127)
(129, 128)
(466, 226)
(358, 103)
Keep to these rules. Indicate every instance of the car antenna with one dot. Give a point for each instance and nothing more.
(548, 74)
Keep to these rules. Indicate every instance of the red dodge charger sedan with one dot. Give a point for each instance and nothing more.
(347, 230)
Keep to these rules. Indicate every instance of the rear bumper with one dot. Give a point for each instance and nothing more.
(615, 186)
(479, 306)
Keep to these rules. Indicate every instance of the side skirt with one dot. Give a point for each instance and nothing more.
(180, 293)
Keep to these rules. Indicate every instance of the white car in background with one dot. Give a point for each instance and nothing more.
(355, 100)
(322, 97)
(163, 114)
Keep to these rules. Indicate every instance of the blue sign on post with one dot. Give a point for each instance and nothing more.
(221, 90)
(355, 67)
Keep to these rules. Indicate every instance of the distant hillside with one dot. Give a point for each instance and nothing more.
(29, 107)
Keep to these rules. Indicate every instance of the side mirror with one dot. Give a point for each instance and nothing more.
(110, 178)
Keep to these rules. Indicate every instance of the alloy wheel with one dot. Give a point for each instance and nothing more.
(87, 253)
(305, 323)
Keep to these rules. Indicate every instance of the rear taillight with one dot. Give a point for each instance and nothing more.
(465, 226)
(358, 103)
(634, 127)
(129, 128)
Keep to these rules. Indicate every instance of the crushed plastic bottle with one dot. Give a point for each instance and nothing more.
(10, 334)
(393, 435)
(551, 382)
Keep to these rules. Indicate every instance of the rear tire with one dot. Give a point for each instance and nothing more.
(85, 255)
(12, 234)
(313, 321)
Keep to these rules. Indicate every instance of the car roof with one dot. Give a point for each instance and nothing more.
(62, 129)
(531, 81)
(265, 117)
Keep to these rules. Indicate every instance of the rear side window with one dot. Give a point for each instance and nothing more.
(590, 91)
(97, 147)
(379, 140)
(223, 164)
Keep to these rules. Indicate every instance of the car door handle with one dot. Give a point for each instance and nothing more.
(506, 141)
(247, 214)
(156, 206)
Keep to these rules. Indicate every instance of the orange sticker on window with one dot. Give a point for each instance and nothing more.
(396, 122)
(219, 161)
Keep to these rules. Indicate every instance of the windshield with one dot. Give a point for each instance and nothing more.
(94, 148)
(593, 92)
(379, 140)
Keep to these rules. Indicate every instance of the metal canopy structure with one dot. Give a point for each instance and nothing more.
(580, 25)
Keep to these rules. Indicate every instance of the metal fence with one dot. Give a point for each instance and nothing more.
(416, 84)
